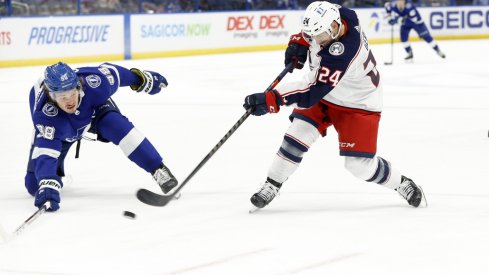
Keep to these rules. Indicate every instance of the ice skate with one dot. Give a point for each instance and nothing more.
(413, 193)
(441, 54)
(409, 57)
(265, 195)
(165, 179)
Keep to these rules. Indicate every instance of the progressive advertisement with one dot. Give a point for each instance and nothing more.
(37, 40)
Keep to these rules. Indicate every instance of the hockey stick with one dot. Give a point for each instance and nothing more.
(154, 199)
(392, 47)
(27, 222)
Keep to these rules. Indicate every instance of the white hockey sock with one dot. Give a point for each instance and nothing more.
(394, 180)
(297, 140)
(377, 170)
(281, 169)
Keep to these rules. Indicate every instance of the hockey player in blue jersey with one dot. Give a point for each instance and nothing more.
(343, 89)
(67, 103)
(409, 17)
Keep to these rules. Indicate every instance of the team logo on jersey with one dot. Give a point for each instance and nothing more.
(337, 48)
(93, 80)
(50, 110)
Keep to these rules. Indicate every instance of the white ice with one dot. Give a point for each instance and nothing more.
(434, 129)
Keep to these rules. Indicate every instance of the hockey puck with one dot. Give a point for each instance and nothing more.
(129, 215)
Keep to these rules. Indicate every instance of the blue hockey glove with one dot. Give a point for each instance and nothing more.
(393, 21)
(151, 82)
(48, 191)
(263, 103)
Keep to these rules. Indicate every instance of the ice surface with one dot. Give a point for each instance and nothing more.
(434, 129)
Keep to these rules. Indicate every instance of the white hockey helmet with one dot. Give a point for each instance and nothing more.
(318, 18)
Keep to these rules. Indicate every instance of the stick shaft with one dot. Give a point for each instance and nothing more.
(154, 199)
(232, 130)
(32, 218)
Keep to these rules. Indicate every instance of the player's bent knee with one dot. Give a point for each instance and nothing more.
(303, 132)
(31, 183)
(361, 168)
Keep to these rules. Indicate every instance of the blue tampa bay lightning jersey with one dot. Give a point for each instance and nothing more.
(408, 15)
(54, 126)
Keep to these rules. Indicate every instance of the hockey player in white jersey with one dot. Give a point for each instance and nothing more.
(343, 88)
(67, 103)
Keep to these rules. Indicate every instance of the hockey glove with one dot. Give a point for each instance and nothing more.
(393, 21)
(151, 82)
(48, 191)
(296, 51)
(263, 103)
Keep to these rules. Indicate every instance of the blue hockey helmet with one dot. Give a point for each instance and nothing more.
(60, 78)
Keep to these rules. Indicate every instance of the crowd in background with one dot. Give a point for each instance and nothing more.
(67, 7)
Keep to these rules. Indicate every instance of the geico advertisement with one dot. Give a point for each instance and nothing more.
(461, 20)
(170, 32)
(24, 38)
(442, 21)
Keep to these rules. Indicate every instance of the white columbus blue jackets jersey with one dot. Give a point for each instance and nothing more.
(344, 73)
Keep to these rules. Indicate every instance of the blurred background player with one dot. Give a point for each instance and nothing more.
(66, 103)
(410, 19)
(342, 89)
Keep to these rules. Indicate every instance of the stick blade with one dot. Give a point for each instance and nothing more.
(151, 198)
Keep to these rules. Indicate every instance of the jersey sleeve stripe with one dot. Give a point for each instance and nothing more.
(304, 90)
(113, 68)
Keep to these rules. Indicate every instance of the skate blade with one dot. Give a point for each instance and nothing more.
(253, 209)
(177, 196)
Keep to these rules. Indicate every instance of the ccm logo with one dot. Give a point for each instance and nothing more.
(347, 145)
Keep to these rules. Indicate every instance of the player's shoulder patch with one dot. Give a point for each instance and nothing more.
(107, 74)
(93, 80)
(337, 48)
(50, 110)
